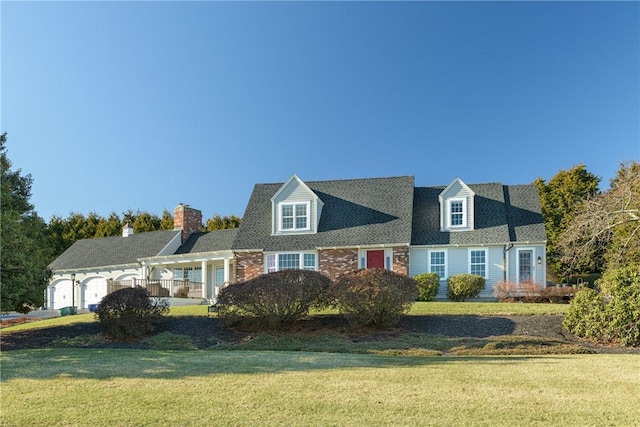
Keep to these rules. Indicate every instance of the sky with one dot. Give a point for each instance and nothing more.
(116, 106)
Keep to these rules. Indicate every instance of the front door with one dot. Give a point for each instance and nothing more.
(525, 265)
(375, 259)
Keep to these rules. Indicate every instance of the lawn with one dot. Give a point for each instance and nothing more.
(100, 387)
(107, 387)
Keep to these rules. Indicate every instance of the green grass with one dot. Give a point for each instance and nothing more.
(98, 387)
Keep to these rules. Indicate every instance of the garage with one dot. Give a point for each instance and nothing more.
(93, 290)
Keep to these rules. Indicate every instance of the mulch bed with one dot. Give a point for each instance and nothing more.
(205, 331)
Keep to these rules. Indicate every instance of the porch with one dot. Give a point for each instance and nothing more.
(160, 287)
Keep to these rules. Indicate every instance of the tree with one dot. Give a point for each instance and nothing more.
(166, 223)
(561, 201)
(25, 251)
(608, 224)
(218, 222)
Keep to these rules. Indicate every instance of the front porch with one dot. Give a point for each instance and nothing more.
(176, 288)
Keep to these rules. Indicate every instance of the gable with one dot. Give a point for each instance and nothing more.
(457, 207)
(295, 208)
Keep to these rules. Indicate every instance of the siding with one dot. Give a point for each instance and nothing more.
(293, 192)
(457, 191)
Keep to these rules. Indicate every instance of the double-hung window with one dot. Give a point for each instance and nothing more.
(437, 263)
(290, 261)
(478, 262)
(457, 213)
(294, 216)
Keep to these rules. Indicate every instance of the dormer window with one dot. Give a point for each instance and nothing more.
(457, 213)
(294, 216)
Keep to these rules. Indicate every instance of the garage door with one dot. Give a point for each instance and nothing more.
(61, 294)
(94, 290)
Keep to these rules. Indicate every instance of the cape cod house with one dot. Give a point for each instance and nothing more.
(333, 227)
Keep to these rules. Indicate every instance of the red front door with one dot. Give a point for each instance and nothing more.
(375, 259)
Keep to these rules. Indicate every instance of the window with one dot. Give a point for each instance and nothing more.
(294, 216)
(478, 262)
(457, 213)
(437, 263)
(190, 274)
(290, 261)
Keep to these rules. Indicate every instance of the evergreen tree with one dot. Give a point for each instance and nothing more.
(25, 251)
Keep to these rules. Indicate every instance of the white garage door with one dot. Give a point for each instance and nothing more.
(61, 294)
(94, 290)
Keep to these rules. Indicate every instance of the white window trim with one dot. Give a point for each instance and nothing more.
(464, 212)
(300, 262)
(281, 205)
(486, 260)
(446, 264)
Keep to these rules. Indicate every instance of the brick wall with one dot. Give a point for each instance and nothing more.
(335, 262)
(248, 265)
(401, 260)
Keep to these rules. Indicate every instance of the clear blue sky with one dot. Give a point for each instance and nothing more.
(142, 105)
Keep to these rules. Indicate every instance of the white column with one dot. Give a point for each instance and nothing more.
(144, 271)
(204, 279)
(227, 271)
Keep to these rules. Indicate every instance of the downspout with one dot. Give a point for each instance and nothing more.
(504, 259)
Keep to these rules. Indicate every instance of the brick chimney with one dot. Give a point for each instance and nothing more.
(187, 219)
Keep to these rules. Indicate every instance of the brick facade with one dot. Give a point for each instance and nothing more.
(249, 265)
(333, 263)
(187, 219)
(401, 260)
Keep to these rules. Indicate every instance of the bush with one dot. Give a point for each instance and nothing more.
(374, 297)
(273, 300)
(463, 286)
(611, 315)
(428, 284)
(531, 292)
(586, 315)
(129, 313)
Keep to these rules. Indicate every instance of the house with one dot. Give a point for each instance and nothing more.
(333, 227)
(180, 263)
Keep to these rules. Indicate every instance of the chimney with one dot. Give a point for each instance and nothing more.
(187, 219)
(127, 230)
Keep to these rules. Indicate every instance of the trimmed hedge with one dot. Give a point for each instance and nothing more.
(463, 286)
(374, 297)
(129, 313)
(428, 284)
(273, 300)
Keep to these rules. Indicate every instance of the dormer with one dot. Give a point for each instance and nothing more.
(456, 207)
(295, 209)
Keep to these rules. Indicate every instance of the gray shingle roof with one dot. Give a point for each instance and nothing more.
(117, 250)
(356, 212)
(502, 214)
(210, 241)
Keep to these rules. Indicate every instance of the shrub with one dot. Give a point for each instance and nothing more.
(463, 286)
(129, 313)
(273, 300)
(586, 315)
(374, 297)
(428, 284)
(611, 315)
(508, 291)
